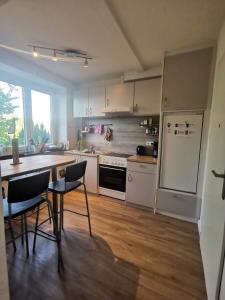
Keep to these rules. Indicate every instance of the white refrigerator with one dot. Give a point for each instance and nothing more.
(181, 143)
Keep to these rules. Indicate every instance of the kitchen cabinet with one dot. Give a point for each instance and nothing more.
(141, 184)
(120, 95)
(182, 204)
(89, 102)
(80, 103)
(147, 96)
(186, 79)
(96, 101)
(91, 175)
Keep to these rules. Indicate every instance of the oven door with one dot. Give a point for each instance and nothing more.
(113, 178)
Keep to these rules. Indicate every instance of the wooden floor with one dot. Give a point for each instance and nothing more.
(133, 255)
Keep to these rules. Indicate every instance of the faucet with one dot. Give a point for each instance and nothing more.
(92, 149)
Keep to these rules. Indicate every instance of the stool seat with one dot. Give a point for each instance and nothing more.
(62, 187)
(19, 208)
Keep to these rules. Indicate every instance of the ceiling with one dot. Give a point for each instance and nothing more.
(120, 35)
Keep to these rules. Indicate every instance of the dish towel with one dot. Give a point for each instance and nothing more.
(98, 129)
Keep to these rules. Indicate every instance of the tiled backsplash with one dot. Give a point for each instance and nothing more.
(127, 134)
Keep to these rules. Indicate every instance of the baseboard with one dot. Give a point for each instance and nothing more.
(139, 206)
(175, 216)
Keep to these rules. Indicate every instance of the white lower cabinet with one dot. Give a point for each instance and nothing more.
(141, 184)
(91, 176)
(177, 203)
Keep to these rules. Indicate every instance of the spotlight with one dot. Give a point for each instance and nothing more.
(54, 57)
(35, 54)
(85, 63)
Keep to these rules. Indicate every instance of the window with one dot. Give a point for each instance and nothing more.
(41, 117)
(24, 113)
(11, 114)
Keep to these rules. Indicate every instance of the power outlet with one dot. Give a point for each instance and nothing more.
(148, 143)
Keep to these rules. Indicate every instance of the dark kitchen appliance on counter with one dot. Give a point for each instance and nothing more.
(141, 150)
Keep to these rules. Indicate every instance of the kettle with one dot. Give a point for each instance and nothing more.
(141, 150)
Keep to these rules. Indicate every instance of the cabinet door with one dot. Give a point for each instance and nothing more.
(141, 188)
(91, 175)
(177, 203)
(186, 80)
(119, 95)
(80, 103)
(147, 97)
(96, 101)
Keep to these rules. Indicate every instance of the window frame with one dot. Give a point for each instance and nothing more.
(27, 108)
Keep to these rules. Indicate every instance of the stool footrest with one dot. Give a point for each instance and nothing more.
(75, 212)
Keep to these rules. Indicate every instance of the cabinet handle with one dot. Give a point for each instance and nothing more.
(90, 111)
(165, 100)
(86, 111)
(107, 102)
(177, 197)
(130, 179)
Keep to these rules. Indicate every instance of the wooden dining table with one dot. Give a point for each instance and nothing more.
(37, 163)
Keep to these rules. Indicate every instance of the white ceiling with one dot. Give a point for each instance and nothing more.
(120, 35)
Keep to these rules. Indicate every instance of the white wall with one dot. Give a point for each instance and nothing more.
(213, 208)
(220, 53)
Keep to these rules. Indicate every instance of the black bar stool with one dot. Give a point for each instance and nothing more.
(71, 181)
(25, 195)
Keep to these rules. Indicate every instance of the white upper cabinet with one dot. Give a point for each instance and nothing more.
(186, 79)
(89, 102)
(80, 103)
(96, 101)
(120, 95)
(147, 96)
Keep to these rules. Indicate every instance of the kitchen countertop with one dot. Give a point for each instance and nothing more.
(77, 152)
(143, 159)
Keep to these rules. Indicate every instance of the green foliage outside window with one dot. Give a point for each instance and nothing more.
(6, 110)
(40, 133)
(7, 118)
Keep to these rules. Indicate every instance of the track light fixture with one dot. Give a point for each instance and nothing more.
(61, 55)
(70, 55)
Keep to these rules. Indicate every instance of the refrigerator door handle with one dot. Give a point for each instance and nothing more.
(223, 177)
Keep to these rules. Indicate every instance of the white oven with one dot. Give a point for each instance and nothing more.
(112, 175)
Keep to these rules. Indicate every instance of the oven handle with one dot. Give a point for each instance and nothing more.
(121, 170)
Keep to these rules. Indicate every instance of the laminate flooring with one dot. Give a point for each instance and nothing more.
(133, 254)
